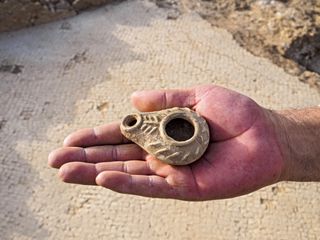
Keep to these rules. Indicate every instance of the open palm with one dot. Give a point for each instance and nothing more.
(243, 154)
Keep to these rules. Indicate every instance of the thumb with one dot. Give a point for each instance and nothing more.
(153, 100)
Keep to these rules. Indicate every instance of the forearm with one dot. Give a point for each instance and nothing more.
(298, 133)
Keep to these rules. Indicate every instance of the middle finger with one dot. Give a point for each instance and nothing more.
(96, 154)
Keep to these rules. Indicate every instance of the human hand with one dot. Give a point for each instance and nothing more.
(243, 154)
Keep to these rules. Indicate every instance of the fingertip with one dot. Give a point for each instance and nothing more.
(134, 97)
(52, 159)
(100, 179)
(76, 172)
(106, 180)
(63, 155)
(136, 94)
(111, 179)
(68, 141)
(78, 138)
(64, 173)
(138, 100)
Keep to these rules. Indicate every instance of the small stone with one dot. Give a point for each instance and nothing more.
(173, 15)
(14, 68)
(65, 26)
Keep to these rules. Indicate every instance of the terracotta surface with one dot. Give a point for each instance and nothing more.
(178, 136)
(58, 80)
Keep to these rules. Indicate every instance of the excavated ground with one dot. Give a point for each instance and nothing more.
(285, 31)
(15, 14)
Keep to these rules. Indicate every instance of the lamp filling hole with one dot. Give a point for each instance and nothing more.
(179, 129)
(130, 121)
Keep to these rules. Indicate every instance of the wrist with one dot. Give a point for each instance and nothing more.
(298, 137)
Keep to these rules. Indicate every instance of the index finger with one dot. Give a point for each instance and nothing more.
(101, 135)
(154, 100)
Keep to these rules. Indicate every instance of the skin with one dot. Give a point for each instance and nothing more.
(249, 148)
(299, 137)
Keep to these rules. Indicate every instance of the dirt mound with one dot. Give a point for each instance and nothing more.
(15, 14)
(286, 32)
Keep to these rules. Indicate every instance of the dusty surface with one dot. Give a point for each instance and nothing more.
(15, 14)
(57, 80)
